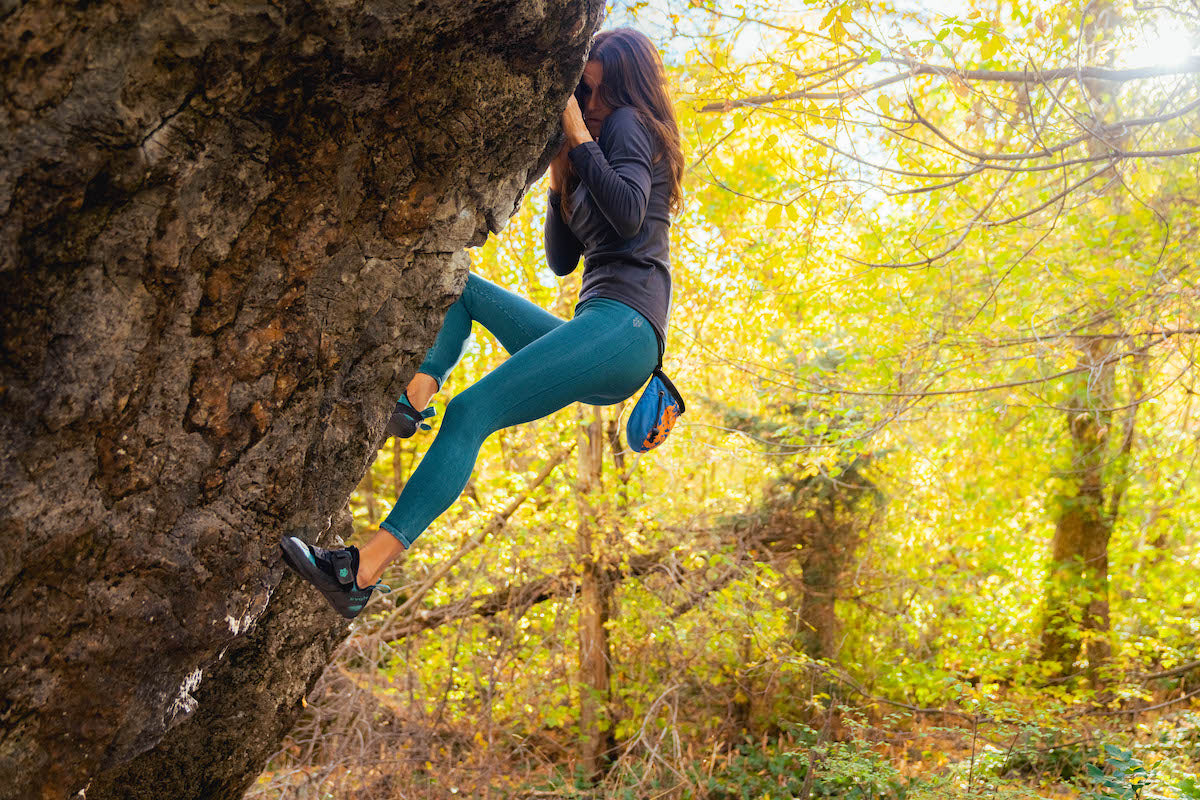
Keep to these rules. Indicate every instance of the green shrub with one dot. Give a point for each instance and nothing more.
(840, 769)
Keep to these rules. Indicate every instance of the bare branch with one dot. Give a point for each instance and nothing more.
(916, 69)
(512, 596)
(1170, 673)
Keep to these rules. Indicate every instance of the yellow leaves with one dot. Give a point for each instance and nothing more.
(835, 20)
(776, 213)
(991, 47)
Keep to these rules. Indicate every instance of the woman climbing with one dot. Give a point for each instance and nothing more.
(612, 188)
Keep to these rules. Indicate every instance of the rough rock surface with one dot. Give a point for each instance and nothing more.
(228, 231)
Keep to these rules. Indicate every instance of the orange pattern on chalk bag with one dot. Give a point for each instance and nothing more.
(659, 434)
(654, 414)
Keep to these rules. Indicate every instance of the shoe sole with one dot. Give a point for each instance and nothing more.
(298, 558)
(393, 431)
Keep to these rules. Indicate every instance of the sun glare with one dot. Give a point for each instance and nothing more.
(1164, 44)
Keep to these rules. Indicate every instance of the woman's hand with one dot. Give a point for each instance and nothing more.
(576, 133)
(573, 125)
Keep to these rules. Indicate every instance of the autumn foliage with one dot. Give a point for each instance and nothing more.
(930, 525)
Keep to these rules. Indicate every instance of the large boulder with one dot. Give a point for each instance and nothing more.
(229, 233)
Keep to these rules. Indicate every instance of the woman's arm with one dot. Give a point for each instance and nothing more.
(620, 182)
(558, 166)
(562, 248)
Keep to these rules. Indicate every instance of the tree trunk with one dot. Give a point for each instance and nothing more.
(1076, 598)
(828, 552)
(1076, 613)
(230, 234)
(595, 599)
(368, 487)
(399, 475)
(828, 517)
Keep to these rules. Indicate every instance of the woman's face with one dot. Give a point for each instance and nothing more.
(595, 110)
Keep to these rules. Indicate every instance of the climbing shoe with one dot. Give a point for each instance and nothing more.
(406, 420)
(334, 572)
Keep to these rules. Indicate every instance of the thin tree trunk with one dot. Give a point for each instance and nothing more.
(398, 472)
(595, 597)
(369, 495)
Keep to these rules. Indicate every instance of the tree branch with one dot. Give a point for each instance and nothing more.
(1170, 673)
(511, 596)
(916, 69)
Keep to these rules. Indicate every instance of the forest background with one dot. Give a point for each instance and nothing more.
(928, 527)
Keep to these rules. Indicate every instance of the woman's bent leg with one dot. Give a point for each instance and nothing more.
(605, 353)
(512, 319)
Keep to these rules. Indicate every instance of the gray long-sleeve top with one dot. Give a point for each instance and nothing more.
(620, 219)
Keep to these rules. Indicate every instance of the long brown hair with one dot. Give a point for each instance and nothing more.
(633, 75)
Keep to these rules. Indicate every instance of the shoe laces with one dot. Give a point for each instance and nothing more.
(418, 417)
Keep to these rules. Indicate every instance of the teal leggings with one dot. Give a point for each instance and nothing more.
(600, 357)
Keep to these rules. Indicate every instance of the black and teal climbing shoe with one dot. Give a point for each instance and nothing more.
(406, 420)
(334, 572)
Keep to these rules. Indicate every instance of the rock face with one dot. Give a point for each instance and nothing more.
(229, 232)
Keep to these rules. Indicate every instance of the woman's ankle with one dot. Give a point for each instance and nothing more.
(420, 391)
(375, 555)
